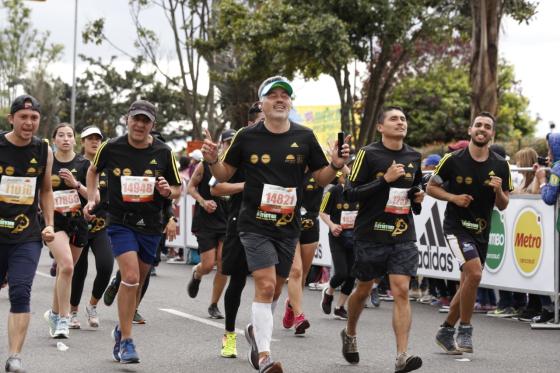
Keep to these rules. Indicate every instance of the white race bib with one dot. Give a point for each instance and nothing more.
(18, 190)
(138, 188)
(66, 201)
(398, 202)
(278, 200)
(347, 219)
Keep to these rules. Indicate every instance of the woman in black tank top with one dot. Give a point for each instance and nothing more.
(70, 227)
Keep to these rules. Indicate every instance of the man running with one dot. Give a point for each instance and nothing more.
(25, 182)
(384, 180)
(142, 173)
(273, 154)
(476, 181)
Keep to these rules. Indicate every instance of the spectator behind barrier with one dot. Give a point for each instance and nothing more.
(526, 157)
(550, 189)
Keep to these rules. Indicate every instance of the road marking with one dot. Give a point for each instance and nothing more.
(201, 320)
(43, 274)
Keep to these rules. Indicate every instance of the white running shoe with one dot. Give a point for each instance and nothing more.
(91, 312)
(62, 331)
(74, 322)
(52, 320)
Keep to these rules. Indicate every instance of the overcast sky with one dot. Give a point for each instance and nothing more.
(534, 49)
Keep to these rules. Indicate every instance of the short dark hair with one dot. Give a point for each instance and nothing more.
(254, 111)
(385, 109)
(487, 115)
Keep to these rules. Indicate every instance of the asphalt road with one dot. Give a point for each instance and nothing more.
(179, 336)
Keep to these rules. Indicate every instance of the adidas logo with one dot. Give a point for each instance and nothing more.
(410, 165)
(141, 223)
(294, 145)
(73, 170)
(430, 242)
(33, 160)
(153, 161)
(491, 173)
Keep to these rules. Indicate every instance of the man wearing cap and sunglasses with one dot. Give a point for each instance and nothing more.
(25, 182)
(142, 173)
(273, 154)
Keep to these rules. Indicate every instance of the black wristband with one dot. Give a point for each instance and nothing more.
(212, 163)
(336, 168)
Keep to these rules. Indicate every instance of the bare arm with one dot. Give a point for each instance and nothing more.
(208, 205)
(92, 179)
(434, 189)
(46, 200)
(335, 229)
(226, 189)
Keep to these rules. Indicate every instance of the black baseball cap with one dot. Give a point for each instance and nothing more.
(25, 102)
(143, 107)
(227, 135)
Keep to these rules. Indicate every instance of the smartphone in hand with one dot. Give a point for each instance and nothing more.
(340, 143)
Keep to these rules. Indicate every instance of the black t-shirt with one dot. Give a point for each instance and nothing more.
(99, 223)
(234, 201)
(21, 169)
(464, 175)
(67, 201)
(134, 171)
(202, 220)
(276, 160)
(335, 204)
(380, 219)
(312, 195)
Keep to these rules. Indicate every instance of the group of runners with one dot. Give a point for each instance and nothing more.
(259, 195)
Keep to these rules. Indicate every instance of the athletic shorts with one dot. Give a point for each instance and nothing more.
(208, 240)
(124, 239)
(263, 252)
(75, 227)
(234, 260)
(464, 248)
(373, 260)
(18, 262)
(309, 231)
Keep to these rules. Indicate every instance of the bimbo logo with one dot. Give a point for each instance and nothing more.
(496, 243)
(430, 256)
(528, 241)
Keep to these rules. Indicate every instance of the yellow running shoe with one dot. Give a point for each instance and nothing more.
(229, 345)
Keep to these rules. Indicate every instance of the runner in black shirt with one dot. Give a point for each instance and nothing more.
(68, 175)
(209, 226)
(142, 173)
(98, 241)
(476, 180)
(274, 155)
(25, 182)
(303, 257)
(385, 177)
(339, 215)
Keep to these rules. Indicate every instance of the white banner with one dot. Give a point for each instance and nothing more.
(521, 251)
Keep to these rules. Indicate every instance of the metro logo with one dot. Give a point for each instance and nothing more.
(528, 241)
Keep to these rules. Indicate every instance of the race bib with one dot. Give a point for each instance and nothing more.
(398, 202)
(66, 201)
(278, 200)
(18, 190)
(347, 219)
(138, 188)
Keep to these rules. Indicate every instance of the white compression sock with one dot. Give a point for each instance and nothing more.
(273, 306)
(262, 325)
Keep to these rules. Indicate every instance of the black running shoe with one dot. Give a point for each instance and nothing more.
(407, 363)
(326, 302)
(111, 292)
(193, 286)
(253, 355)
(214, 311)
(349, 348)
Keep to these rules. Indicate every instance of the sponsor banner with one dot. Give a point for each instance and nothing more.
(520, 255)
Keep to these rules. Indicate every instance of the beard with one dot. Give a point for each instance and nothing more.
(480, 144)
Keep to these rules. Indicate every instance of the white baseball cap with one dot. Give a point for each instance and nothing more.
(196, 155)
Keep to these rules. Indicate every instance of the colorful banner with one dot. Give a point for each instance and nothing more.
(324, 120)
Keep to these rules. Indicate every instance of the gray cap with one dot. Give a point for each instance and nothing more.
(143, 107)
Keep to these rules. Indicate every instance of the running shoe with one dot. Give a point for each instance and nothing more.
(229, 345)
(111, 292)
(415, 294)
(387, 297)
(326, 302)
(375, 298)
(116, 334)
(445, 339)
(544, 317)
(138, 319)
(301, 324)
(153, 271)
(52, 320)
(340, 313)
(92, 318)
(427, 299)
(253, 354)
(289, 317)
(193, 285)
(349, 348)
(74, 321)
(502, 312)
(127, 352)
(527, 315)
(464, 338)
(14, 365)
(62, 330)
(269, 366)
(214, 311)
(53, 269)
(407, 363)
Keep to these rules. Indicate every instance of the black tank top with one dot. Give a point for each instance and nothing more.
(21, 176)
(67, 200)
(203, 221)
